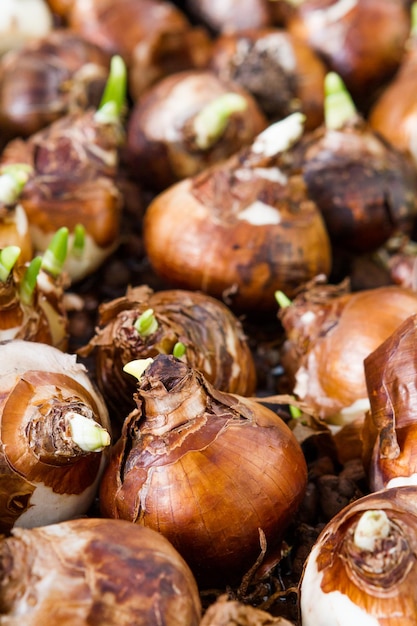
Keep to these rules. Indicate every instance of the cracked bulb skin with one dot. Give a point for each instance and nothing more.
(47, 471)
(347, 582)
(210, 471)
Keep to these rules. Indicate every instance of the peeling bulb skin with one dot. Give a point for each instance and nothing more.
(344, 582)
(91, 572)
(208, 335)
(49, 471)
(193, 462)
(75, 143)
(390, 425)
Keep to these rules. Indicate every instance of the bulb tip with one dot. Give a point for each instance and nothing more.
(137, 367)
(87, 434)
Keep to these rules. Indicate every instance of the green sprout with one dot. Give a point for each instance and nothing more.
(13, 178)
(339, 107)
(178, 350)
(78, 244)
(54, 257)
(295, 412)
(211, 122)
(146, 324)
(8, 258)
(29, 281)
(114, 95)
(282, 299)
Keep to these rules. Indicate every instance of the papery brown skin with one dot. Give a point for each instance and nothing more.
(95, 572)
(166, 53)
(373, 33)
(198, 236)
(226, 612)
(161, 144)
(119, 26)
(366, 189)
(389, 431)
(337, 588)
(74, 162)
(330, 331)
(154, 37)
(44, 480)
(213, 337)
(48, 78)
(282, 72)
(208, 470)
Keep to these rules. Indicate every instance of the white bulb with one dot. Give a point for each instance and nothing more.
(22, 21)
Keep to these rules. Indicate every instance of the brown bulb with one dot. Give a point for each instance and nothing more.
(171, 133)
(365, 188)
(394, 113)
(390, 429)
(282, 72)
(208, 470)
(144, 323)
(330, 331)
(241, 229)
(74, 163)
(48, 78)
(362, 40)
(119, 26)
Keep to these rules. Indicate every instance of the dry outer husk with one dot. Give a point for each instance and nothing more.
(226, 612)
